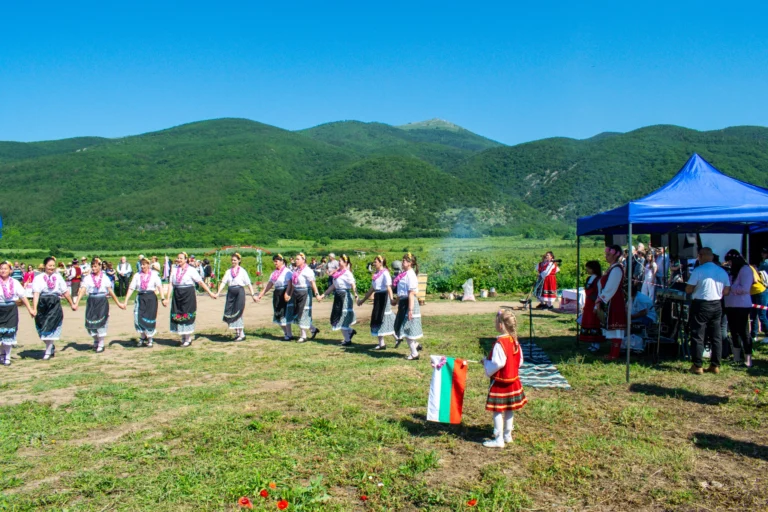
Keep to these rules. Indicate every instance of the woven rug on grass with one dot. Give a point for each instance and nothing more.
(542, 374)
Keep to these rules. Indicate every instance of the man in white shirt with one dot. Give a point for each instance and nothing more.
(707, 285)
(85, 267)
(124, 272)
(333, 266)
(662, 266)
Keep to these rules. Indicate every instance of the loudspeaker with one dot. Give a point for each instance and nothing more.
(659, 240)
(616, 240)
(684, 245)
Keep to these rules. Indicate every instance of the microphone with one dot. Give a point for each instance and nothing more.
(558, 261)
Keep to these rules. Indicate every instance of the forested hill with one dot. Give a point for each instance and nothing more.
(568, 178)
(238, 181)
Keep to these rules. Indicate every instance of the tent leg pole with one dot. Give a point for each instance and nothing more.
(630, 261)
(578, 284)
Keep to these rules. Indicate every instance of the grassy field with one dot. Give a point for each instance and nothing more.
(171, 429)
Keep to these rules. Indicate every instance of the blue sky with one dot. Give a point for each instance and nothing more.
(512, 71)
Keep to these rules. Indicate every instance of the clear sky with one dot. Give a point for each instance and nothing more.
(512, 71)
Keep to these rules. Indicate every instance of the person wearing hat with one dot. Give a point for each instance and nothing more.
(85, 268)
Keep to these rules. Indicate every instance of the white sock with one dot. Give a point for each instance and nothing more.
(346, 333)
(509, 423)
(5, 352)
(101, 341)
(498, 424)
(414, 347)
(381, 341)
(304, 333)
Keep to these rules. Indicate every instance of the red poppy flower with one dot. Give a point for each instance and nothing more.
(272, 485)
(757, 391)
(472, 502)
(264, 493)
(282, 504)
(245, 502)
(363, 498)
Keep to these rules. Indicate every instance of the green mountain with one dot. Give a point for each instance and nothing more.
(238, 181)
(568, 178)
(442, 147)
(222, 181)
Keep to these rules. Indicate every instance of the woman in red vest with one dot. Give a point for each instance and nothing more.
(502, 366)
(547, 270)
(612, 299)
(591, 328)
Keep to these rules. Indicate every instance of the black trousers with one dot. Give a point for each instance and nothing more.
(705, 323)
(738, 322)
(123, 282)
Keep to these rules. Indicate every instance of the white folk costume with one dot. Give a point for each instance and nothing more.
(343, 311)
(145, 307)
(282, 310)
(97, 306)
(649, 280)
(50, 317)
(237, 279)
(184, 301)
(12, 291)
(382, 317)
(302, 279)
(410, 329)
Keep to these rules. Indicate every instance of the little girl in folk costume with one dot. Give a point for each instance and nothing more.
(502, 366)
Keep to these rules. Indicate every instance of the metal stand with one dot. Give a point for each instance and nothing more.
(531, 332)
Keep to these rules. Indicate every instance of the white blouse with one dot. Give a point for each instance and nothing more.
(345, 281)
(189, 278)
(90, 284)
(153, 284)
(13, 286)
(306, 276)
(283, 279)
(611, 285)
(242, 278)
(383, 282)
(409, 283)
(40, 286)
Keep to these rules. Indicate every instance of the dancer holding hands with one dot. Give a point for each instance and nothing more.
(382, 318)
(184, 299)
(408, 319)
(48, 287)
(236, 278)
(302, 279)
(148, 284)
(12, 292)
(98, 286)
(282, 310)
(343, 286)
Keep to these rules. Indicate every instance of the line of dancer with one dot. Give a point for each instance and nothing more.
(293, 294)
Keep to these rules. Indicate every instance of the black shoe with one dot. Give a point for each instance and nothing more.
(398, 342)
(314, 333)
(377, 347)
(352, 334)
(346, 343)
(541, 306)
(551, 306)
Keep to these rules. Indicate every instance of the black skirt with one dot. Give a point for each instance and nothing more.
(9, 321)
(146, 315)
(299, 302)
(380, 300)
(183, 305)
(233, 310)
(96, 312)
(338, 306)
(279, 304)
(50, 316)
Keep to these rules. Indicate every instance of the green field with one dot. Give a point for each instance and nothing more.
(197, 429)
(504, 263)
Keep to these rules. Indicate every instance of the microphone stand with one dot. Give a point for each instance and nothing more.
(536, 286)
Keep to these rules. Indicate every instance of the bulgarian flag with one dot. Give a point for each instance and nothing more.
(446, 391)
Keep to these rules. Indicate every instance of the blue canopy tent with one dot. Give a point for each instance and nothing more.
(698, 199)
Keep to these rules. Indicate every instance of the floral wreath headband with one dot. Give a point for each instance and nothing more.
(609, 250)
